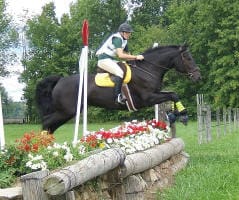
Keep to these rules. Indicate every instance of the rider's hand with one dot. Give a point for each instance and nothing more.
(139, 57)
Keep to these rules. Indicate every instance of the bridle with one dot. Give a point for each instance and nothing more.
(143, 70)
(185, 62)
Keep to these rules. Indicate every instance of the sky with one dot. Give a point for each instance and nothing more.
(17, 8)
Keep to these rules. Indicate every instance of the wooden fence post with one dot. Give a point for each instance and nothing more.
(234, 119)
(32, 185)
(229, 120)
(229, 112)
(218, 124)
(208, 123)
(225, 120)
(200, 118)
(237, 117)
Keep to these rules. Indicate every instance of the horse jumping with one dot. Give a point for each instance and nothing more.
(56, 96)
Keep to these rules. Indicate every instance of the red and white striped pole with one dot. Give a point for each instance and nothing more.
(83, 70)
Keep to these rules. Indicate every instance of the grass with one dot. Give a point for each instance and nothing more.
(62, 134)
(212, 172)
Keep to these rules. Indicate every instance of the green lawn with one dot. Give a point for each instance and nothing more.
(64, 133)
(213, 169)
(212, 172)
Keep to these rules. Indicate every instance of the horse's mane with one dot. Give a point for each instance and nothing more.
(159, 48)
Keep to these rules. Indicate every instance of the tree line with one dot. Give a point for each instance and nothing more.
(210, 28)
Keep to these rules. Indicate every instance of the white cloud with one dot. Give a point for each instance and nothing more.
(17, 8)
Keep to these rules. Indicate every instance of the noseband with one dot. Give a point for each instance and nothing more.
(184, 60)
(187, 64)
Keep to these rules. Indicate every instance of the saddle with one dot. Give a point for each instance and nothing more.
(104, 79)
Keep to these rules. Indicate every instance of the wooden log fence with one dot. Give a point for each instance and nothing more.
(224, 121)
(125, 177)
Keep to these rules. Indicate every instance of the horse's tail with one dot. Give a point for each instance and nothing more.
(44, 94)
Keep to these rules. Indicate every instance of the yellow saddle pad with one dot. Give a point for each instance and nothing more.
(104, 80)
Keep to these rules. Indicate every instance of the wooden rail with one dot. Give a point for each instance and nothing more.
(120, 171)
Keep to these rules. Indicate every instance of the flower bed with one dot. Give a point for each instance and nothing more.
(37, 151)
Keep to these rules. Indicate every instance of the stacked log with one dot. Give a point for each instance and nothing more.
(112, 175)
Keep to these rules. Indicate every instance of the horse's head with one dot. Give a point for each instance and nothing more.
(186, 64)
(173, 56)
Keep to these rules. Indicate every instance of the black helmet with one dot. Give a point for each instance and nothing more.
(125, 27)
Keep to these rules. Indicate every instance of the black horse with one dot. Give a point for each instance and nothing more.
(56, 96)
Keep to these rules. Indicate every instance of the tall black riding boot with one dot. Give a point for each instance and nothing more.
(117, 91)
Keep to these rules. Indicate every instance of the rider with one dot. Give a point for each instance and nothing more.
(116, 47)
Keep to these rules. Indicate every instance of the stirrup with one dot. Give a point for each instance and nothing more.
(120, 99)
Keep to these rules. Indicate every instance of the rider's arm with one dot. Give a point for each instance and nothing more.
(121, 53)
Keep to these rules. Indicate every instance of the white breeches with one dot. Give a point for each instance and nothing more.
(111, 66)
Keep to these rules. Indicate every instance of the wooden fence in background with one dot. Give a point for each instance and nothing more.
(222, 120)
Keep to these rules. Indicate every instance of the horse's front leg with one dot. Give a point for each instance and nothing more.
(177, 107)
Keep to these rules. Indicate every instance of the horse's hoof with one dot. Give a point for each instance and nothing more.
(184, 119)
(183, 112)
(171, 118)
(120, 100)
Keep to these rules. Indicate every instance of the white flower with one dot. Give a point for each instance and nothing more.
(55, 153)
(36, 162)
(68, 157)
(130, 150)
(57, 146)
(43, 165)
(81, 149)
(49, 148)
(98, 136)
(29, 164)
(109, 140)
(30, 156)
(38, 157)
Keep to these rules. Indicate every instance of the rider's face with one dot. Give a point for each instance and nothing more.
(126, 35)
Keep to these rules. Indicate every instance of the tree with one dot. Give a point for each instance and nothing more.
(54, 47)
(151, 12)
(39, 60)
(8, 35)
(211, 30)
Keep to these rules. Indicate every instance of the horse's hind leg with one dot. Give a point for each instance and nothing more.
(53, 121)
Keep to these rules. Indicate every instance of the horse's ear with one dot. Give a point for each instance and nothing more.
(183, 48)
(185, 44)
(155, 45)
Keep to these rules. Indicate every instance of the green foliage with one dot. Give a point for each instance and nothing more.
(210, 28)
(150, 13)
(11, 109)
(55, 47)
(8, 35)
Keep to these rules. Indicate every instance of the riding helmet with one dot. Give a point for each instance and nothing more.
(125, 27)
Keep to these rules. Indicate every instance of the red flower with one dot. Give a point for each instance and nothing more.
(35, 147)
(33, 142)
(27, 147)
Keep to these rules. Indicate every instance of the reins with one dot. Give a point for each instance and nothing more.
(143, 70)
(190, 74)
